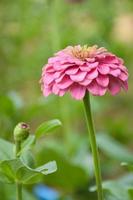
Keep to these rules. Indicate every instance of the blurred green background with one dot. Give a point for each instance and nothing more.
(31, 31)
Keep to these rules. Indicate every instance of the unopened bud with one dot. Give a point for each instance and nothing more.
(21, 131)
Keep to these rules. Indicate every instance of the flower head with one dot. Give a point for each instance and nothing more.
(80, 69)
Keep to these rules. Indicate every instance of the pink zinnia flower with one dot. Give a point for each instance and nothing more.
(84, 69)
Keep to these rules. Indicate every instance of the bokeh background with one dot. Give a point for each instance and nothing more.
(31, 31)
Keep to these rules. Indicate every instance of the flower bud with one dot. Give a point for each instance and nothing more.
(21, 131)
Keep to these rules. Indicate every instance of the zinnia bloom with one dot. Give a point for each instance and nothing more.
(84, 69)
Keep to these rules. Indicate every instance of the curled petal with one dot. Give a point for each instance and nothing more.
(114, 86)
(79, 76)
(124, 85)
(84, 68)
(123, 76)
(102, 80)
(96, 89)
(48, 78)
(115, 72)
(58, 66)
(75, 61)
(57, 74)
(65, 83)
(55, 89)
(47, 91)
(89, 66)
(61, 93)
(90, 60)
(77, 91)
(104, 69)
(113, 66)
(58, 80)
(93, 65)
(48, 68)
(72, 70)
(123, 68)
(112, 59)
(85, 82)
(53, 60)
(92, 74)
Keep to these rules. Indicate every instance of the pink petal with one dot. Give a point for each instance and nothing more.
(110, 58)
(65, 83)
(58, 80)
(72, 70)
(48, 68)
(92, 65)
(85, 82)
(90, 60)
(121, 61)
(96, 89)
(58, 66)
(114, 86)
(123, 76)
(104, 68)
(101, 56)
(88, 66)
(113, 66)
(55, 89)
(103, 80)
(75, 61)
(48, 78)
(61, 54)
(77, 91)
(57, 74)
(79, 76)
(115, 72)
(84, 68)
(92, 74)
(61, 93)
(124, 85)
(46, 91)
(123, 68)
(53, 60)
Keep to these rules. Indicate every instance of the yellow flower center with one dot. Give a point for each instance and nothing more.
(86, 52)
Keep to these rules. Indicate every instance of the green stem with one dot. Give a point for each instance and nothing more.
(18, 185)
(18, 191)
(18, 148)
(94, 148)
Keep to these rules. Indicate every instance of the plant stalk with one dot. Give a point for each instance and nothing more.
(18, 185)
(94, 148)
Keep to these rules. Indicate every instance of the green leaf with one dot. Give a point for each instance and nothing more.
(113, 148)
(25, 153)
(66, 165)
(47, 127)
(120, 189)
(28, 158)
(48, 168)
(6, 189)
(9, 168)
(28, 175)
(116, 189)
(27, 144)
(15, 169)
(6, 150)
(5, 179)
